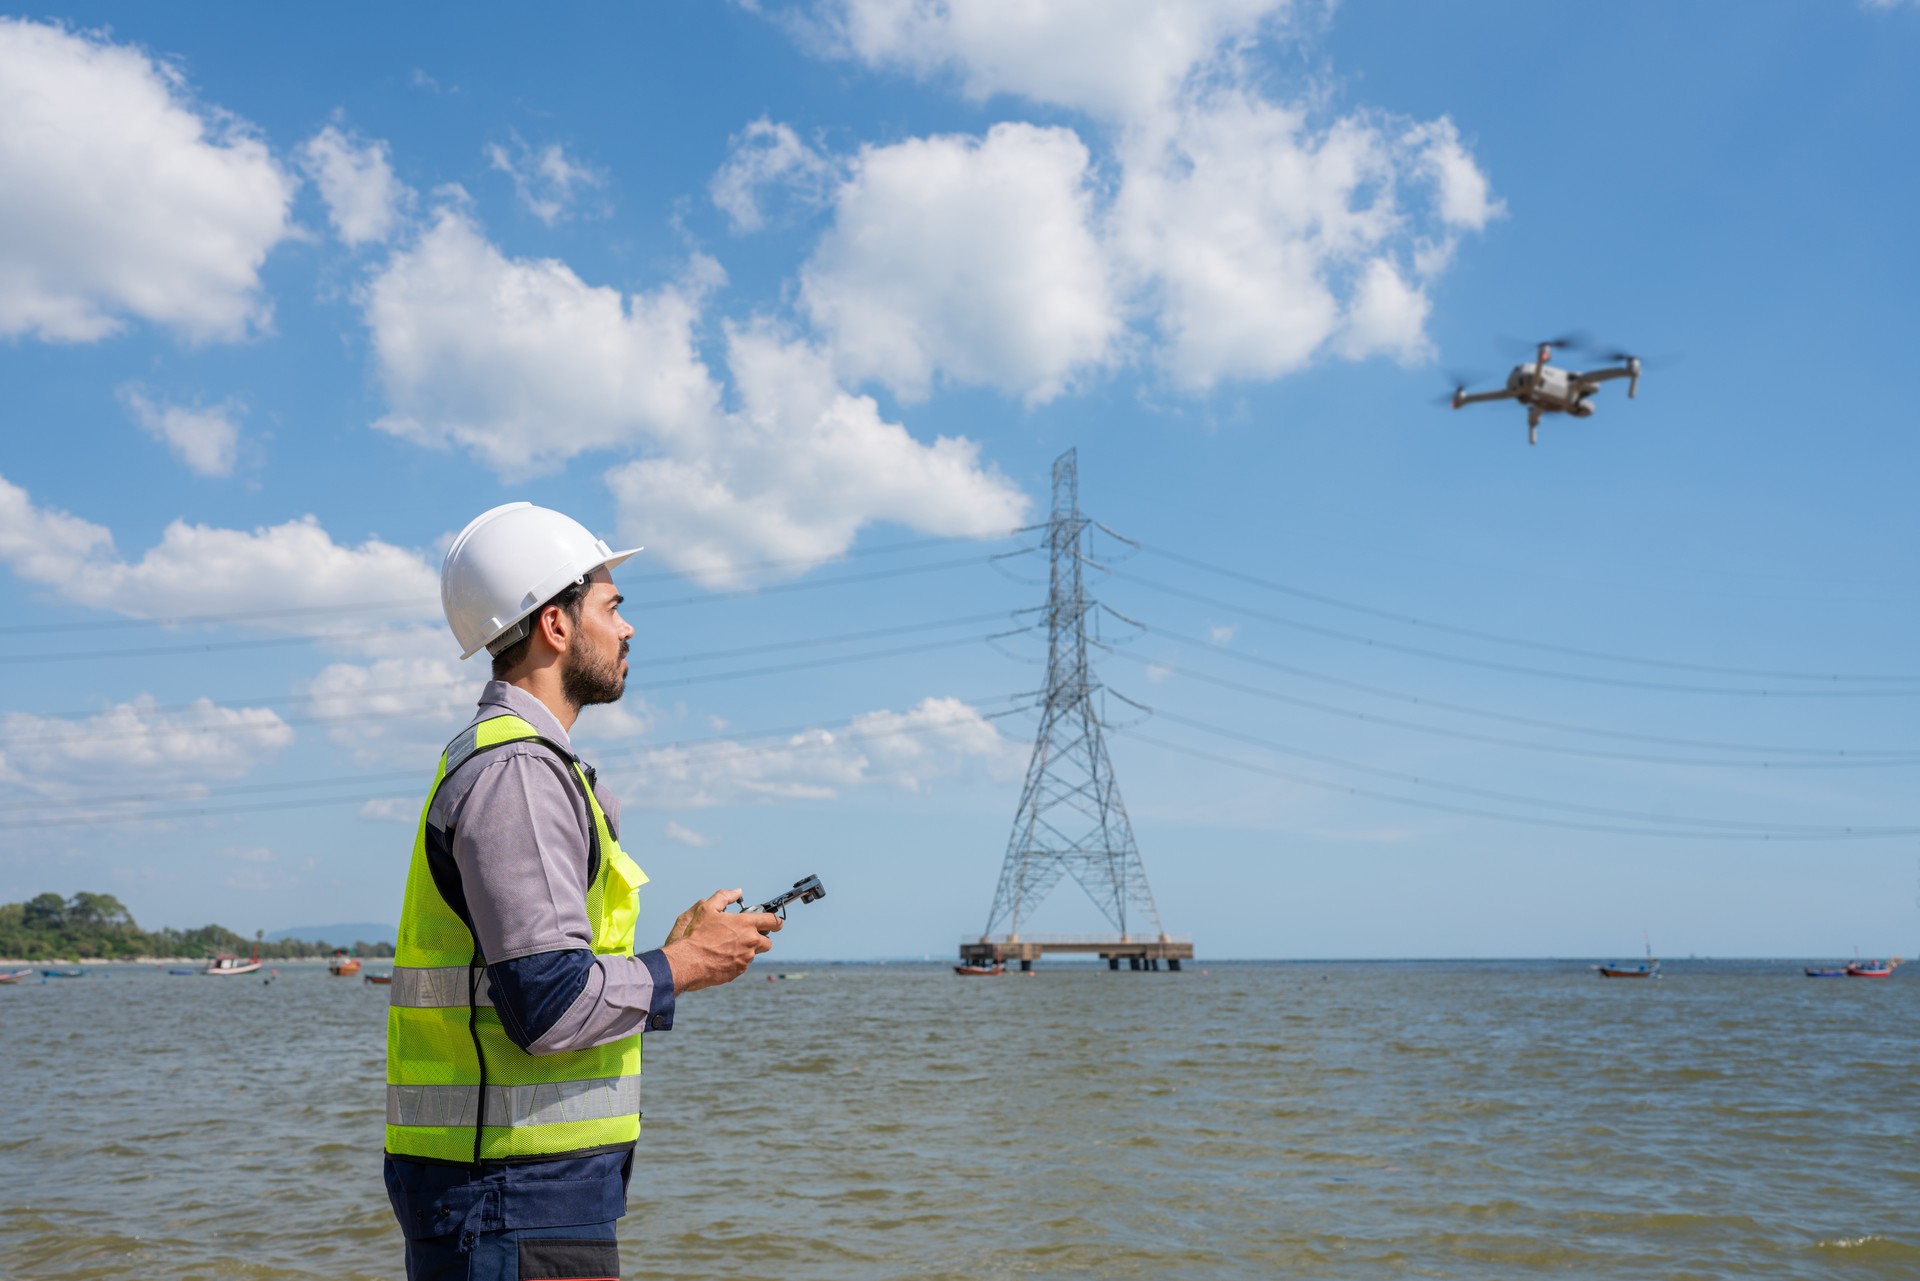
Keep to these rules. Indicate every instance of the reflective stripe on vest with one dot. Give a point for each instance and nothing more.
(437, 987)
(514, 1105)
(458, 1088)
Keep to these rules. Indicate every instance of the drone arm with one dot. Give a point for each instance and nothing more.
(1630, 371)
(1461, 400)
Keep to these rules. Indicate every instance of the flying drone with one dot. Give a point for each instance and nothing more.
(1549, 389)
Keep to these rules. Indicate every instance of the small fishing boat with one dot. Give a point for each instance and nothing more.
(63, 974)
(14, 976)
(1824, 972)
(1871, 969)
(983, 971)
(1647, 969)
(379, 978)
(342, 965)
(226, 966)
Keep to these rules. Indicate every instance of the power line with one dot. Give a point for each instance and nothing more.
(426, 605)
(1529, 820)
(1523, 744)
(272, 642)
(814, 745)
(704, 678)
(1463, 709)
(1495, 665)
(1514, 798)
(1501, 639)
(283, 700)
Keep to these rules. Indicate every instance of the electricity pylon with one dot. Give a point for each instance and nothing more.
(1071, 819)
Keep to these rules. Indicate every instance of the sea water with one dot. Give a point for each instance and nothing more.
(1452, 1119)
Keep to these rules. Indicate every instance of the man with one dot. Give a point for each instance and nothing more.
(517, 1004)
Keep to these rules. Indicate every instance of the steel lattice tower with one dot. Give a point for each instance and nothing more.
(1071, 819)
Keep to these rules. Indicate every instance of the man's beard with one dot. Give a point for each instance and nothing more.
(593, 678)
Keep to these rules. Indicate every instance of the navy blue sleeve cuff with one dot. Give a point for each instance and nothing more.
(660, 1008)
(532, 992)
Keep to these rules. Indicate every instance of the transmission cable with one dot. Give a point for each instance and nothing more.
(1533, 722)
(272, 642)
(427, 606)
(1495, 665)
(1514, 798)
(1501, 639)
(416, 793)
(1530, 820)
(1523, 744)
(704, 678)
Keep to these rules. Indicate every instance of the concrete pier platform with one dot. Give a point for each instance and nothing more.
(1164, 951)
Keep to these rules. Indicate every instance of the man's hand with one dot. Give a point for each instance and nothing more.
(709, 945)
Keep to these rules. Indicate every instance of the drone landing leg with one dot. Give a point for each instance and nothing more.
(1533, 433)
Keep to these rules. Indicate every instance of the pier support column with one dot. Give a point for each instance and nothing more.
(1025, 966)
(1133, 962)
(1173, 963)
(1113, 962)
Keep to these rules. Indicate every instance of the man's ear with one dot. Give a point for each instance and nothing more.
(556, 628)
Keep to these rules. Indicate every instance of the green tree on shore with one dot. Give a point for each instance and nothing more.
(86, 926)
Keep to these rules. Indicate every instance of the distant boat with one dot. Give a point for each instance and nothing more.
(343, 966)
(14, 976)
(64, 974)
(984, 971)
(379, 978)
(1871, 969)
(1645, 970)
(225, 966)
(1824, 972)
(177, 970)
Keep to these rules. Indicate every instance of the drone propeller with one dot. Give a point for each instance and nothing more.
(1460, 383)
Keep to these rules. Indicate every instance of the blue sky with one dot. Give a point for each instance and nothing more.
(800, 294)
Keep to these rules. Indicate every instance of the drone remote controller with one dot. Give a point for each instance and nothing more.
(806, 889)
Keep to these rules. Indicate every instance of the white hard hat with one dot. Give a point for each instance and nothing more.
(507, 563)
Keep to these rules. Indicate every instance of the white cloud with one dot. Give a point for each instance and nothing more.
(972, 257)
(687, 836)
(1158, 672)
(1118, 59)
(139, 743)
(1240, 236)
(397, 710)
(524, 363)
(1387, 316)
(201, 569)
(1221, 635)
(548, 181)
(356, 179)
(1465, 199)
(768, 157)
(937, 738)
(1263, 239)
(403, 810)
(797, 470)
(120, 197)
(204, 437)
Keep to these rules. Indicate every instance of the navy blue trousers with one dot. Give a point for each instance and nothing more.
(583, 1252)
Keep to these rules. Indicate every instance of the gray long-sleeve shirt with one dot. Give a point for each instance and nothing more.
(522, 839)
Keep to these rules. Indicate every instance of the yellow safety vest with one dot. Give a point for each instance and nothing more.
(457, 1088)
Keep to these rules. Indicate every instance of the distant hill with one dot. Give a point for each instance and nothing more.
(338, 935)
